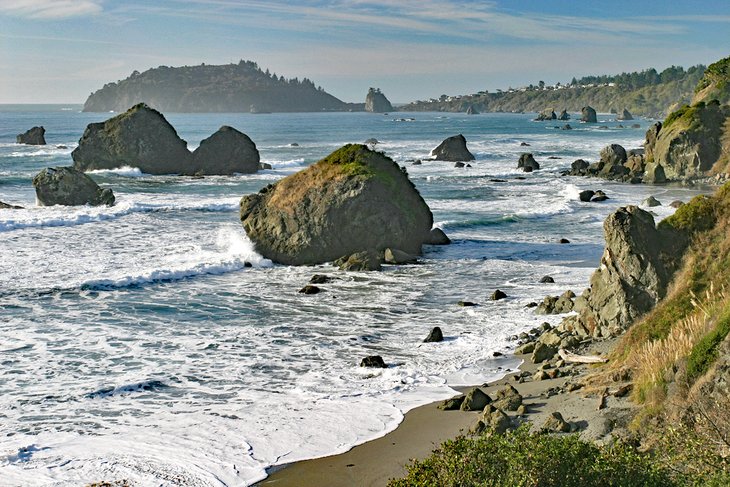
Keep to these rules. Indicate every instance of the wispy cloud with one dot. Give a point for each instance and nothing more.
(50, 9)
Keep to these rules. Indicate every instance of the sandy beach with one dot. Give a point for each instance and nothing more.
(426, 427)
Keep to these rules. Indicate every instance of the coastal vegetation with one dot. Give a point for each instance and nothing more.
(646, 93)
(240, 87)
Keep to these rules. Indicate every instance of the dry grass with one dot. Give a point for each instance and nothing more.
(650, 361)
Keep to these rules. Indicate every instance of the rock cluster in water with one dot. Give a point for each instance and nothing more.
(142, 138)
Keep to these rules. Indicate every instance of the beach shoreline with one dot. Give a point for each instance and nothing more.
(424, 428)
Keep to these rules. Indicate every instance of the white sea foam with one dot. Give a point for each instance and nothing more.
(127, 171)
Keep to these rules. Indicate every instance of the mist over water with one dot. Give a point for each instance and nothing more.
(136, 343)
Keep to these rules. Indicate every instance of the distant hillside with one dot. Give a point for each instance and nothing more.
(241, 87)
(646, 93)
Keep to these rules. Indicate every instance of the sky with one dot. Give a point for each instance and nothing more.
(59, 51)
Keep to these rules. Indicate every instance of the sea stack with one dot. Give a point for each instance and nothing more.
(376, 102)
(588, 114)
(353, 200)
(452, 149)
(226, 152)
(139, 137)
(34, 136)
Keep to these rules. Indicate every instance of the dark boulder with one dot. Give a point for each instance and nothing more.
(437, 237)
(226, 152)
(6, 206)
(599, 196)
(588, 114)
(375, 361)
(367, 260)
(564, 115)
(353, 200)
(139, 137)
(586, 195)
(320, 279)
(579, 167)
(459, 164)
(547, 280)
(475, 400)
(564, 241)
(395, 256)
(651, 202)
(465, 304)
(33, 136)
(453, 149)
(566, 127)
(310, 289)
(436, 335)
(613, 154)
(67, 186)
(527, 163)
(497, 295)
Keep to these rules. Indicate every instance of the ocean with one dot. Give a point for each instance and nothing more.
(136, 344)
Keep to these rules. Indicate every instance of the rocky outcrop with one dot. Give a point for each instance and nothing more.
(636, 268)
(527, 163)
(547, 114)
(564, 115)
(227, 151)
(452, 149)
(691, 143)
(588, 115)
(625, 115)
(6, 206)
(353, 200)
(437, 237)
(472, 111)
(67, 186)
(140, 137)
(33, 136)
(715, 83)
(376, 102)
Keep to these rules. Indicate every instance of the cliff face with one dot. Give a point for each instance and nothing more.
(241, 87)
(376, 102)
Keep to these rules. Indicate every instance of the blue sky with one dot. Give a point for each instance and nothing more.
(58, 51)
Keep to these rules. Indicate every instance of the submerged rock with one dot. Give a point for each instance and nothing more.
(353, 200)
(67, 186)
(6, 206)
(310, 289)
(452, 149)
(139, 137)
(497, 295)
(226, 152)
(33, 136)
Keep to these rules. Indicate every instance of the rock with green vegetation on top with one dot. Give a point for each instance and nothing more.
(69, 187)
(139, 137)
(353, 200)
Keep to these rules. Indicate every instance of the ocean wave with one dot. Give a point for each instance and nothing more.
(60, 216)
(127, 171)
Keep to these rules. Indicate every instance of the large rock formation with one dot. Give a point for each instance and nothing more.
(625, 115)
(546, 114)
(227, 151)
(353, 200)
(140, 137)
(715, 83)
(376, 102)
(527, 162)
(33, 136)
(636, 268)
(588, 114)
(453, 149)
(693, 141)
(70, 187)
(564, 115)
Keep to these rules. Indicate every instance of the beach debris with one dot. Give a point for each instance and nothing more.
(573, 358)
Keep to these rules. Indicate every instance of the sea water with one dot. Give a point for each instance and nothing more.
(136, 344)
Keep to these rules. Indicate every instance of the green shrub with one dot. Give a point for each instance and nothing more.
(697, 215)
(704, 353)
(521, 458)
